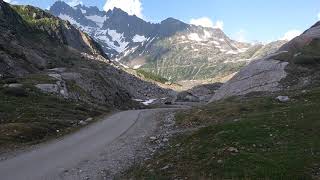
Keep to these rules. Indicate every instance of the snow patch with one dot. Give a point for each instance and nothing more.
(194, 37)
(138, 38)
(125, 66)
(147, 102)
(70, 19)
(207, 34)
(223, 50)
(99, 20)
(137, 66)
(83, 11)
(232, 52)
(150, 101)
(216, 43)
(243, 50)
(117, 41)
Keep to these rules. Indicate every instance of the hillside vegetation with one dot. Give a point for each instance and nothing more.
(151, 76)
(28, 116)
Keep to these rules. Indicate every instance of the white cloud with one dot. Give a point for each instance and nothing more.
(319, 15)
(74, 2)
(241, 36)
(203, 21)
(207, 22)
(219, 25)
(291, 34)
(132, 7)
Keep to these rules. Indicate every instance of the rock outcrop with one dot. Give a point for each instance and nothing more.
(260, 75)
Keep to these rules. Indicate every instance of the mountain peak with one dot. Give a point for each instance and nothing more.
(117, 12)
(171, 20)
(60, 3)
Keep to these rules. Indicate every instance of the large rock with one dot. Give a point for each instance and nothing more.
(260, 75)
(48, 88)
(198, 93)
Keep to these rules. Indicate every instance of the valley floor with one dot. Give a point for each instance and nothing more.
(250, 137)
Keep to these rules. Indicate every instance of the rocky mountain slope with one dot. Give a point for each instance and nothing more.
(171, 49)
(54, 78)
(35, 42)
(294, 66)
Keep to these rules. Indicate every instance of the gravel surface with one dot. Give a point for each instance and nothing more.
(130, 148)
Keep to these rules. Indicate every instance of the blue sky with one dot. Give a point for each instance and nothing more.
(246, 20)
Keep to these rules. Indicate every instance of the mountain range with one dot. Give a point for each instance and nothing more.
(171, 49)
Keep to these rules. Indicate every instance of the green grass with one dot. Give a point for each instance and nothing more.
(152, 76)
(28, 116)
(275, 141)
(27, 13)
(309, 54)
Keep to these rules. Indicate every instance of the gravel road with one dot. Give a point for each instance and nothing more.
(98, 151)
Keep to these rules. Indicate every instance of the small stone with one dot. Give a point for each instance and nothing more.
(66, 171)
(83, 123)
(56, 76)
(220, 161)
(57, 130)
(233, 150)
(89, 119)
(153, 138)
(62, 92)
(283, 98)
(236, 120)
(165, 167)
(165, 139)
(15, 85)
